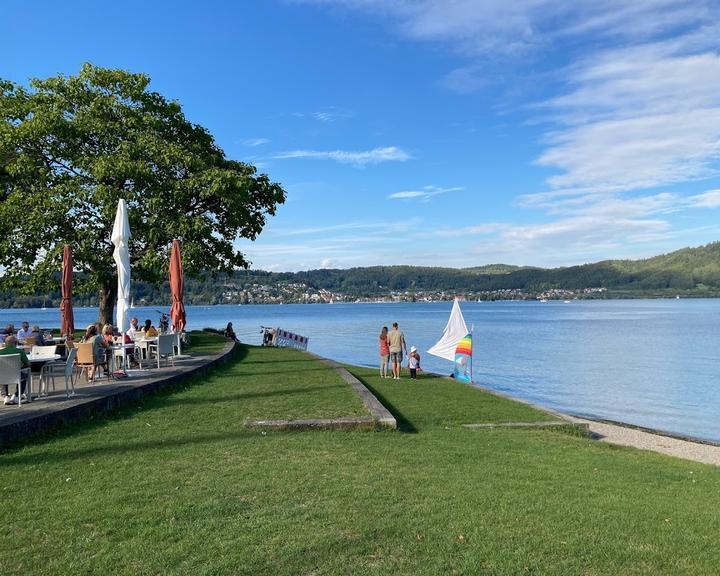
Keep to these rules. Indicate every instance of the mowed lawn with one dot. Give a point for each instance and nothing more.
(177, 485)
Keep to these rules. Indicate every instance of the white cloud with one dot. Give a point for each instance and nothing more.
(331, 115)
(254, 142)
(359, 158)
(327, 263)
(709, 199)
(635, 119)
(487, 27)
(424, 194)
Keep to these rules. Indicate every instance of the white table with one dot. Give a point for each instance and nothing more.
(117, 351)
(143, 347)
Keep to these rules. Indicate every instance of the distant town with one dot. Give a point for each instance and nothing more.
(300, 293)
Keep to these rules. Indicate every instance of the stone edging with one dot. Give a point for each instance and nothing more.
(85, 409)
(549, 424)
(380, 417)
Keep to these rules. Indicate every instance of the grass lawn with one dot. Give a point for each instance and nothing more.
(179, 486)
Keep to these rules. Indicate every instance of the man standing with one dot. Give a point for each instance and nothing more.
(396, 341)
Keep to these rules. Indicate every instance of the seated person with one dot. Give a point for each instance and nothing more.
(134, 329)
(36, 333)
(9, 329)
(11, 348)
(99, 346)
(108, 334)
(149, 330)
(229, 332)
(24, 331)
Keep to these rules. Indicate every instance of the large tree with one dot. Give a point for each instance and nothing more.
(71, 147)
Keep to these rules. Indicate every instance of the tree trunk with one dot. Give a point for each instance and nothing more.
(107, 297)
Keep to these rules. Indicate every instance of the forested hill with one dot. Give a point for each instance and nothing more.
(686, 272)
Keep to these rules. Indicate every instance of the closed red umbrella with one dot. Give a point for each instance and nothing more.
(67, 320)
(177, 310)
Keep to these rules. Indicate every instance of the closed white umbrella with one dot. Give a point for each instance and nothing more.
(121, 238)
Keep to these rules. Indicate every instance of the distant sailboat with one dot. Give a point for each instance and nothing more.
(456, 344)
(132, 302)
(44, 306)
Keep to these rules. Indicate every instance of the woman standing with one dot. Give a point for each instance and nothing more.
(384, 352)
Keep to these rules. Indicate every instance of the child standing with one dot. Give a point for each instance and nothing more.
(414, 362)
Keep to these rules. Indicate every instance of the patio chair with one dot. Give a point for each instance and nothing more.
(30, 341)
(164, 347)
(86, 359)
(66, 369)
(10, 366)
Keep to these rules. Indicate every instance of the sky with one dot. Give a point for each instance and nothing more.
(441, 133)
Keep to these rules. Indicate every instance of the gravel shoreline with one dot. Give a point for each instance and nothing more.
(627, 435)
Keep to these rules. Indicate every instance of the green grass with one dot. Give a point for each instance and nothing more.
(179, 486)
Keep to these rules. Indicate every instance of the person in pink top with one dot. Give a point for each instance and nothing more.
(384, 352)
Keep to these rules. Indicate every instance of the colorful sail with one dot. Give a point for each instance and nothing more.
(463, 360)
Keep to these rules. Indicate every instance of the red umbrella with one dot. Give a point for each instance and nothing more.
(67, 320)
(177, 311)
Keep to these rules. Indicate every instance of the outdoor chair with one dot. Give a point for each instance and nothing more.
(10, 366)
(86, 360)
(44, 352)
(164, 347)
(30, 341)
(66, 369)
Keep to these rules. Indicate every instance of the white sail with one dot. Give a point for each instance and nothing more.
(455, 331)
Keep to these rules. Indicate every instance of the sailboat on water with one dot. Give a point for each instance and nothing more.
(456, 345)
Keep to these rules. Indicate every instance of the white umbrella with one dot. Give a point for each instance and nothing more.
(121, 237)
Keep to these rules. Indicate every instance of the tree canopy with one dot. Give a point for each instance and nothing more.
(72, 146)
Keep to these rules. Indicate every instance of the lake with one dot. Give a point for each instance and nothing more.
(652, 363)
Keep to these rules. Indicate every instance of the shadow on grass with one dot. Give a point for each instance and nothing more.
(128, 447)
(293, 361)
(150, 401)
(403, 424)
(290, 370)
(223, 397)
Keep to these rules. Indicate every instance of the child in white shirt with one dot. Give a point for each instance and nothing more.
(414, 362)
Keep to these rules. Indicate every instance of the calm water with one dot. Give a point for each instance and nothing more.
(653, 363)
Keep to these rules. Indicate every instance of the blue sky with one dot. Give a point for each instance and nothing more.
(454, 133)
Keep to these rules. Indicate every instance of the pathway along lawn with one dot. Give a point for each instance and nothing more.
(179, 486)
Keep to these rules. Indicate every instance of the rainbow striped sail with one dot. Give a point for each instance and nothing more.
(463, 360)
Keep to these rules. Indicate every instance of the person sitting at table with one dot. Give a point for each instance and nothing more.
(107, 334)
(149, 330)
(11, 348)
(36, 333)
(24, 331)
(99, 346)
(9, 329)
(133, 329)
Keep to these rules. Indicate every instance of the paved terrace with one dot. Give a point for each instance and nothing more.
(56, 410)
